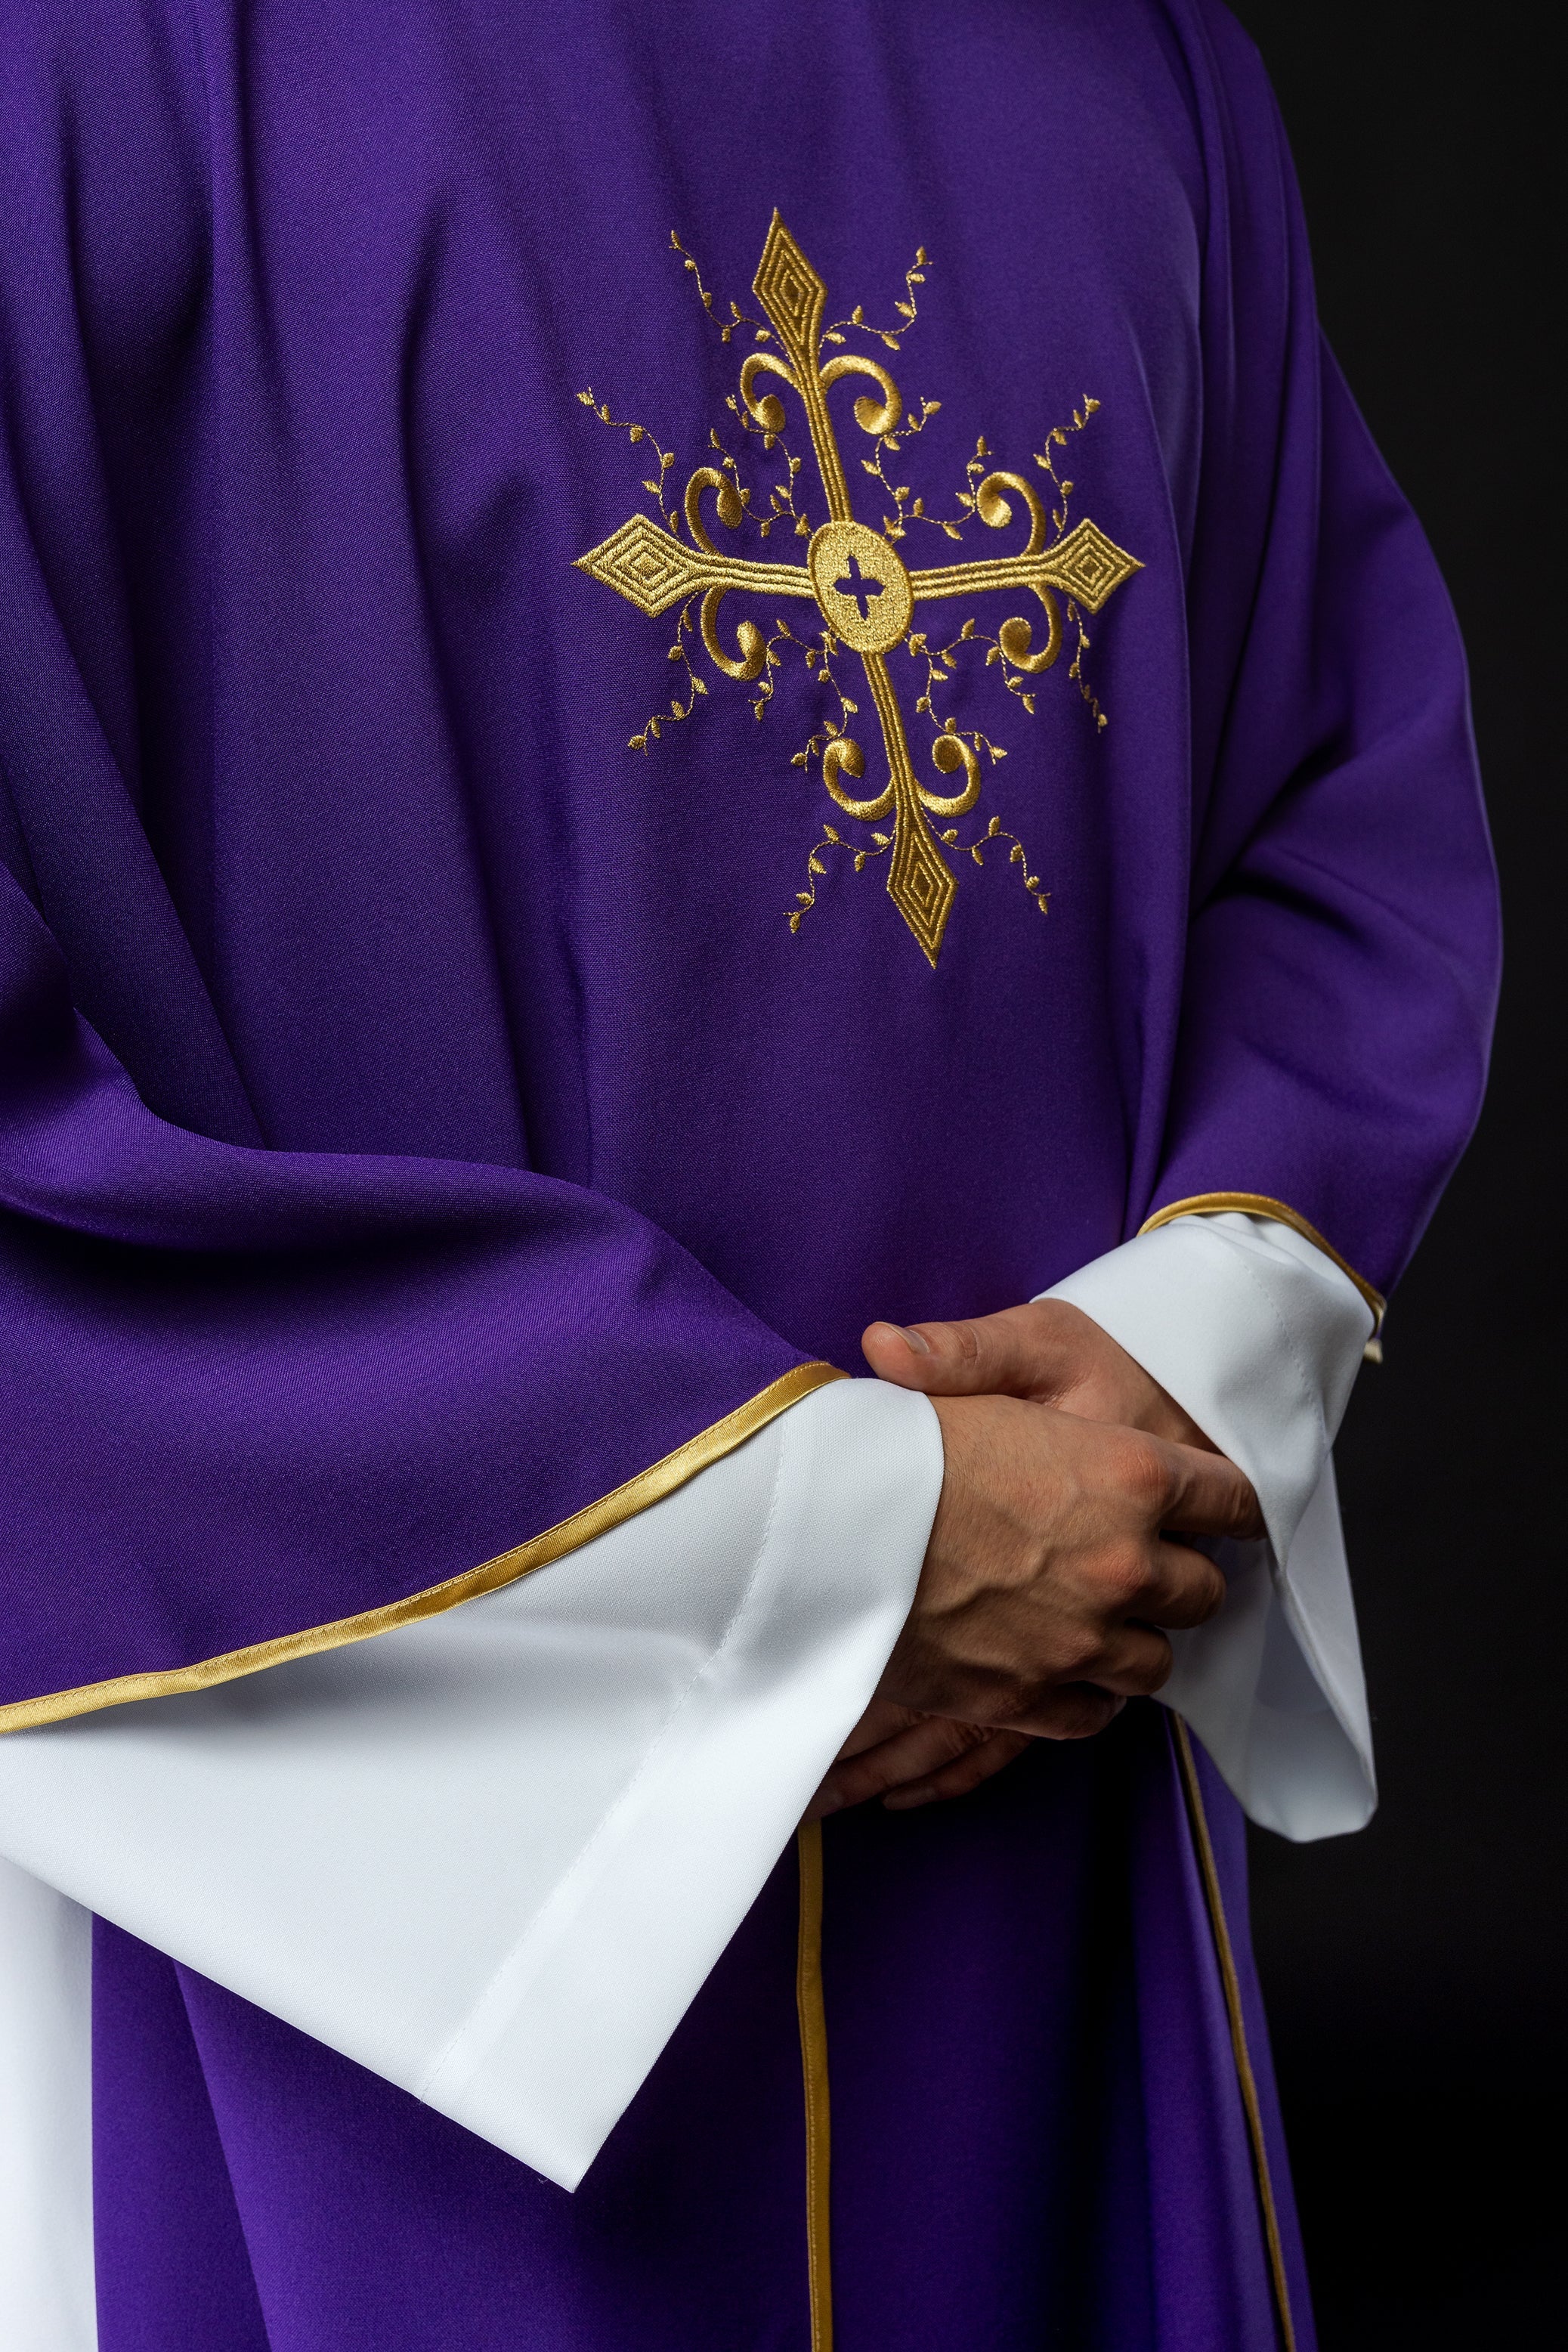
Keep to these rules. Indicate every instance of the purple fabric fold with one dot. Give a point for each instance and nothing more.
(469, 1127)
(419, 1112)
(252, 1391)
(1038, 2138)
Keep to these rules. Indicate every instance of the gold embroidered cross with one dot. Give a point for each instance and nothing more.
(857, 579)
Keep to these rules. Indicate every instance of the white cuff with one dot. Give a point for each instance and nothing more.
(494, 1855)
(1259, 1337)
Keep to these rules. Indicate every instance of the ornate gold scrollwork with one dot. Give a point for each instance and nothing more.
(949, 753)
(768, 411)
(747, 637)
(844, 754)
(731, 513)
(858, 580)
(1015, 636)
(871, 415)
(996, 513)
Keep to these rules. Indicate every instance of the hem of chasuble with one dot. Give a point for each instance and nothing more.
(1262, 1204)
(623, 1502)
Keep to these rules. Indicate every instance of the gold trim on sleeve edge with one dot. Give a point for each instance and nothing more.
(1260, 1205)
(651, 1485)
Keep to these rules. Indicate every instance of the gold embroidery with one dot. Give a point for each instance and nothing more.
(813, 2020)
(864, 593)
(1246, 2080)
(623, 1502)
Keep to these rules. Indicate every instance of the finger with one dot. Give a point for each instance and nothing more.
(932, 1741)
(993, 1355)
(1185, 1587)
(965, 1773)
(882, 1718)
(1208, 1494)
(1070, 1711)
(1137, 1662)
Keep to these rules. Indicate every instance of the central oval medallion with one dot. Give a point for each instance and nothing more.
(863, 588)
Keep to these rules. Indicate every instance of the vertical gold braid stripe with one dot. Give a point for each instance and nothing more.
(650, 1485)
(1248, 2081)
(814, 2074)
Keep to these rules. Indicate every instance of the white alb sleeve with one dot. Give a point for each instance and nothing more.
(493, 1855)
(46, 2297)
(1258, 1335)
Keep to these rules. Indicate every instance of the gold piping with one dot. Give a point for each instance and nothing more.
(1248, 2081)
(1259, 1205)
(814, 2074)
(650, 1485)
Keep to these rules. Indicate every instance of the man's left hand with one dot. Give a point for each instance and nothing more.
(1052, 1353)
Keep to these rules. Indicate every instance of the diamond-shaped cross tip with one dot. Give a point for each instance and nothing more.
(646, 565)
(1090, 566)
(791, 291)
(920, 885)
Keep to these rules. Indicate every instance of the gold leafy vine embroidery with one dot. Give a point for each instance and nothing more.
(865, 594)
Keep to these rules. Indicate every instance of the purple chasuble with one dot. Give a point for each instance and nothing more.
(538, 902)
(1038, 2139)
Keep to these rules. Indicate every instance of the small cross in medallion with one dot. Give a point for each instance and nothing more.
(859, 587)
(857, 578)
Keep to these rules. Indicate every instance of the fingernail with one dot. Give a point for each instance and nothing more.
(904, 1801)
(917, 1339)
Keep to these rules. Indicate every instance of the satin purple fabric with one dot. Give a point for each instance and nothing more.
(416, 1113)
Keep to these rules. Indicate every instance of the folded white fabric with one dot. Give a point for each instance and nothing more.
(46, 2301)
(1259, 1337)
(494, 1855)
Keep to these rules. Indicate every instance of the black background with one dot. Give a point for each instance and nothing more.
(1417, 1974)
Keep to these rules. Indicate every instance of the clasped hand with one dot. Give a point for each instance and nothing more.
(1052, 1578)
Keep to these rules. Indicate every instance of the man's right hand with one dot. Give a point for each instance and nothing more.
(1051, 1570)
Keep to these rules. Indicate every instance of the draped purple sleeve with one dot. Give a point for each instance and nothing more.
(244, 1392)
(1343, 955)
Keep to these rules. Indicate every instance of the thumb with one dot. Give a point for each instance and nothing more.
(993, 1355)
(1209, 1496)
